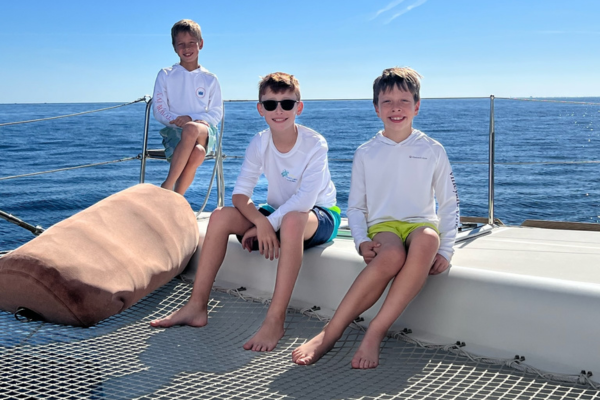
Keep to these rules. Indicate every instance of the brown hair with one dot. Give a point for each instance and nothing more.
(186, 25)
(405, 79)
(278, 82)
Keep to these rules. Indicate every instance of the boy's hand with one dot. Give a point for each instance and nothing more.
(203, 122)
(369, 250)
(181, 120)
(249, 238)
(268, 244)
(440, 264)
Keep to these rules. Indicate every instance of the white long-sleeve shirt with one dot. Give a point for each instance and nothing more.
(297, 180)
(401, 182)
(178, 91)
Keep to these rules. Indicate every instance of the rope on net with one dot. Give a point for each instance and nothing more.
(72, 115)
(584, 378)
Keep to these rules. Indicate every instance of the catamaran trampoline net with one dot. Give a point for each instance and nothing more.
(124, 358)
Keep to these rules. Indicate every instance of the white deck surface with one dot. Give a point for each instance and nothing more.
(557, 254)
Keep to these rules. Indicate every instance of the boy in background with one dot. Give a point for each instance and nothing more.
(187, 100)
(301, 210)
(397, 176)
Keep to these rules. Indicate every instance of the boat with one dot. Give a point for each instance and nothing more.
(514, 317)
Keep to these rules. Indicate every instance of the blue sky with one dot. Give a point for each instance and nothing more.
(79, 51)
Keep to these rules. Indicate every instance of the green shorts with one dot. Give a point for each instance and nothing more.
(172, 136)
(400, 228)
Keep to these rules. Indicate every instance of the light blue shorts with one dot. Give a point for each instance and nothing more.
(172, 136)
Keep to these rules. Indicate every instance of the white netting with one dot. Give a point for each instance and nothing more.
(123, 358)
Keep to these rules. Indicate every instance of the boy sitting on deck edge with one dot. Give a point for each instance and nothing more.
(392, 216)
(187, 100)
(301, 210)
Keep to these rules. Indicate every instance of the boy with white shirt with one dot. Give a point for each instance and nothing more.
(393, 218)
(301, 210)
(187, 100)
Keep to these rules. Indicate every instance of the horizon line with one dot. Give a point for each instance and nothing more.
(335, 99)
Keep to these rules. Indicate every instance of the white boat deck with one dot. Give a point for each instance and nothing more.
(544, 253)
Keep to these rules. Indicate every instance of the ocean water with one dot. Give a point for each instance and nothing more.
(547, 155)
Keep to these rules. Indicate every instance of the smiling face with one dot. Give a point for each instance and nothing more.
(280, 120)
(187, 48)
(397, 108)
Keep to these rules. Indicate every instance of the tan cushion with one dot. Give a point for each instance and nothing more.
(102, 260)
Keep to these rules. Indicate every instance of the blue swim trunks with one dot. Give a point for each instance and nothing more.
(329, 223)
(172, 136)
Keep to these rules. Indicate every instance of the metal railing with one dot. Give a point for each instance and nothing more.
(492, 147)
(217, 156)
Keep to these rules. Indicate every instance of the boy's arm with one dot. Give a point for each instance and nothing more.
(251, 169)
(268, 244)
(448, 212)
(357, 204)
(242, 193)
(160, 105)
(214, 111)
(305, 197)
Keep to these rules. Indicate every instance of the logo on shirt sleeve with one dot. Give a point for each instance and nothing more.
(200, 92)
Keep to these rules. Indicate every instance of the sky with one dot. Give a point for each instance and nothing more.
(111, 51)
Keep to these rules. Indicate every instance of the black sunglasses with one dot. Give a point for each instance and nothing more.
(286, 105)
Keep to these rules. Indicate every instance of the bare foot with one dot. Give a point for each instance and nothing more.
(267, 336)
(311, 351)
(190, 314)
(367, 355)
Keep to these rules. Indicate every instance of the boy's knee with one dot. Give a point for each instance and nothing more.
(427, 237)
(194, 129)
(221, 217)
(292, 222)
(391, 259)
(197, 156)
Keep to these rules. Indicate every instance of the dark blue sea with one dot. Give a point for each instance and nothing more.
(547, 155)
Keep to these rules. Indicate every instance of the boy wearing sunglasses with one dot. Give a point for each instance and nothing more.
(301, 210)
(393, 218)
(187, 100)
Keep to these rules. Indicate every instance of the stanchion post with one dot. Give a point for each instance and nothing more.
(148, 101)
(491, 164)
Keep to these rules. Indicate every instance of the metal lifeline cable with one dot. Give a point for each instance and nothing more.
(486, 163)
(549, 101)
(72, 115)
(69, 168)
(332, 159)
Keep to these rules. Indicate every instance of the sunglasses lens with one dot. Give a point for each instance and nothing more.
(269, 105)
(287, 105)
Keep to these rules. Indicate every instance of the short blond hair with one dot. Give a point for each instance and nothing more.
(186, 25)
(405, 79)
(278, 82)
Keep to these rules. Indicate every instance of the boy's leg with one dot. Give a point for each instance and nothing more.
(422, 244)
(364, 292)
(295, 227)
(193, 133)
(223, 222)
(189, 171)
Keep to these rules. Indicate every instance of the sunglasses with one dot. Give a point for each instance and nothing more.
(286, 105)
